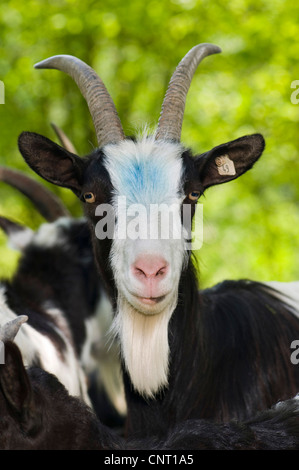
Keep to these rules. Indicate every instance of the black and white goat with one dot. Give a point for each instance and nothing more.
(220, 354)
(38, 413)
(57, 285)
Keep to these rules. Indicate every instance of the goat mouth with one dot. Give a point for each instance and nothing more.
(150, 300)
(147, 305)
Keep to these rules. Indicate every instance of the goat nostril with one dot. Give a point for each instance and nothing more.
(150, 268)
(161, 272)
(139, 272)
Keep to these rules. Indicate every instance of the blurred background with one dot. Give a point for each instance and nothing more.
(251, 225)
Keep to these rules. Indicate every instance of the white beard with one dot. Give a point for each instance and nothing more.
(144, 346)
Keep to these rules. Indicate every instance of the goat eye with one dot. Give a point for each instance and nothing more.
(194, 195)
(89, 197)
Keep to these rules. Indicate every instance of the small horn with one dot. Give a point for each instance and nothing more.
(9, 331)
(19, 236)
(46, 202)
(171, 117)
(64, 140)
(103, 112)
(8, 226)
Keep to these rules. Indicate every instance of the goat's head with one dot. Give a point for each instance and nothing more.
(151, 172)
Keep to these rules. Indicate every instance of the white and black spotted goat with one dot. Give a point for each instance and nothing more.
(221, 353)
(57, 286)
(37, 413)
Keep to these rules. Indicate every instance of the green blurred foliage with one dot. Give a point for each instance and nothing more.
(251, 224)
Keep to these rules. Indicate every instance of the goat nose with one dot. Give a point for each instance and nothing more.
(148, 268)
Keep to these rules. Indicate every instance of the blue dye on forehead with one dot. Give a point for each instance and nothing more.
(146, 172)
(144, 181)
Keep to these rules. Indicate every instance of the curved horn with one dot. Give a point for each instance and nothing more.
(103, 112)
(47, 204)
(64, 140)
(9, 331)
(171, 117)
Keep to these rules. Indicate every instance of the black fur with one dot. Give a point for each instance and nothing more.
(37, 413)
(230, 359)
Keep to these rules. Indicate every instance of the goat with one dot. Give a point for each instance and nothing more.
(57, 271)
(37, 413)
(218, 354)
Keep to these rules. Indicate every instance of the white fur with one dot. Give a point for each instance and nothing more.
(69, 371)
(281, 404)
(48, 235)
(146, 172)
(19, 239)
(51, 234)
(144, 346)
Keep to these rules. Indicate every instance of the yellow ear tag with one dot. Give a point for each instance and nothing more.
(225, 166)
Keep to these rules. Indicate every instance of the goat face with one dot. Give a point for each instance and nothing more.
(135, 172)
(146, 267)
(141, 176)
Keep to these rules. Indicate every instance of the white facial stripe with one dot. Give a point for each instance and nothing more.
(146, 173)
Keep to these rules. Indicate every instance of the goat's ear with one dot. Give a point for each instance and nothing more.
(18, 235)
(51, 161)
(17, 391)
(229, 161)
